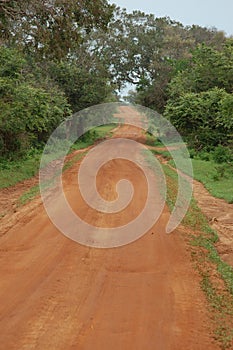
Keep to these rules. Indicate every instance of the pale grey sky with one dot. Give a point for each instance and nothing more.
(208, 13)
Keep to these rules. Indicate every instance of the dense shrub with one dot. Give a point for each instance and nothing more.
(222, 155)
(202, 118)
(28, 112)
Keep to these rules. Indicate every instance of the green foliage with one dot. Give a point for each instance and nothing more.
(222, 155)
(12, 64)
(143, 50)
(16, 171)
(76, 53)
(198, 117)
(205, 69)
(84, 85)
(46, 67)
(201, 100)
(218, 179)
(203, 155)
(225, 115)
(91, 136)
(28, 113)
(51, 29)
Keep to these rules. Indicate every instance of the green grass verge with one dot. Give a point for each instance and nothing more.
(13, 172)
(217, 178)
(35, 190)
(99, 133)
(28, 195)
(208, 262)
(151, 140)
(16, 171)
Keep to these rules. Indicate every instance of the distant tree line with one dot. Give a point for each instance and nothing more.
(183, 72)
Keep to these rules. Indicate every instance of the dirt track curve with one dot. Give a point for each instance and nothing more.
(57, 294)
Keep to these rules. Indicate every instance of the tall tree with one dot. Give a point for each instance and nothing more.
(205, 69)
(141, 49)
(201, 100)
(28, 112)
(51, 28)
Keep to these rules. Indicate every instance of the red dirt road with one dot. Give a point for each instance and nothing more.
(57, 294)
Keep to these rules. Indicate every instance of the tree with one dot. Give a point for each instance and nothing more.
(200, 96)
(225, 115)
(83, 80)
(143, 50)
(204, 119)
(51, 28)
(28, 113)
(207, 68)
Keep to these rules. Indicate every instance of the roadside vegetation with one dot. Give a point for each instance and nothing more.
(213, 169)
(217, 179)
(216, 276)
(208, 263)
(12, 172)
(47, 72)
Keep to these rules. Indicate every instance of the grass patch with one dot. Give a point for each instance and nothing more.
(151, 140)
(13, 172)
(28, 195)
(16, 171)
(73, 160)
(35, 190)
(165, 154)
(96, 134)
(217, 178)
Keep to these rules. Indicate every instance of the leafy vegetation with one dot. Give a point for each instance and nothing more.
(214, 169)
(47, 70)
(51, 29)
(218, 179)
(148, 53)
(19, 170)
(60, 57)
(182, 72)
(200, 119)
(29, 112)
(201, 101)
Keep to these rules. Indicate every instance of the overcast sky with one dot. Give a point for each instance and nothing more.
(208, 13)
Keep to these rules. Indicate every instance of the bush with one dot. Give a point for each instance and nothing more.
(202, 118)
(192, 153)
(203, 155)
(222, 154)
(220, 173)
(28, 112)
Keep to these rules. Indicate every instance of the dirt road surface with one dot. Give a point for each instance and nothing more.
(57, 294)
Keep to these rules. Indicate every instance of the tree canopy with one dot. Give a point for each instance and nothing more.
(60, 56)
(51, 28)
(200, 97)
